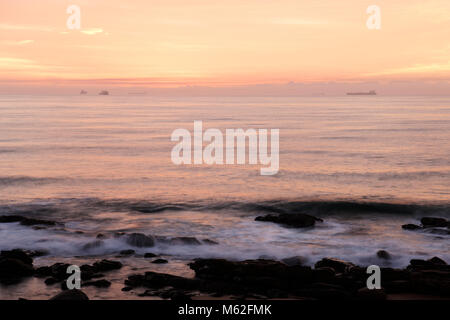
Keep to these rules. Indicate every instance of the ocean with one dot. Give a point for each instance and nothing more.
(102, 164)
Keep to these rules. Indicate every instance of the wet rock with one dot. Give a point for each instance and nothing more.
(383, 254)
(107, 265)
(337, 264)
(71, 295)
(17, 254)
(184, 241)
(374, 294)
(150, 255)
(98, 283)
(127, 252)
(293, 220)
(14, 268)
(437, 261)
(140, 240)
(210, 242)
(160, 261)
(294, 261)
(51, 281)
(435, 282)
(428, 222)
(410, 226)
(126, 289)
(26, 221)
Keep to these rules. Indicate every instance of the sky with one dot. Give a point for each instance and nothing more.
(226, 47)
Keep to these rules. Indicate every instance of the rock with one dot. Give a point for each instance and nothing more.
(383, 254)
(100, 236)
(436, 282)
(51, 281)
(437, 261)
(140, 240)
(294, 261)
(160, 261)
(107, 265)
(374, 294)
(338, 265)
(17, 254)
(15, 267)
(127, 252)
(210, 242)
(179, 296)
(410, 226)
(26, 221)
(99, 283)
(150, 255)
(184, 241)
(71, 295)
(428, 222)
(126, 289)
(293, 220)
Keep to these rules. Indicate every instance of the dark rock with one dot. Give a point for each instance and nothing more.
(338, 265)
(179, 296)
(140, 240)
(210, 242)
(100, 236)
(17, 254)
(184, 241)
(127, 252)
(126, 289)
(14, 267)
(150, 255)
(99, 283)
(298, 220)
(294, 261)
(437, 261)
(71, 295)
(435, 282)
(383, 254)
(107, 265)
(160, 261)
(51, 281)
(410, 226)
(433, 222)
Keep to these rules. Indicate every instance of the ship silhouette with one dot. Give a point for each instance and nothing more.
(370, 93)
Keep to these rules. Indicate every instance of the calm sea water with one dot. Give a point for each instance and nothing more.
(102, 164)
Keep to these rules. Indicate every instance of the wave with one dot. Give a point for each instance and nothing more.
(19, 180)
(85, 208)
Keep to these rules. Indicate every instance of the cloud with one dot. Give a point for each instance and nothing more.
(17, 43)
(92, 31)
(13, 27)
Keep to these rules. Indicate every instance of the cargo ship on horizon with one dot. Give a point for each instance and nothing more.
(370, 93)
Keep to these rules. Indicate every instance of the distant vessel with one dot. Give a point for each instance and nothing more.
(104, 93)
(370, 93)
(83, 92)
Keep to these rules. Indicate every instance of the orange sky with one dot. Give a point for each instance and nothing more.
(161, 43)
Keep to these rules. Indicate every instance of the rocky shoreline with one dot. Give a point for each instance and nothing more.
(330, 278)
(290, 278)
